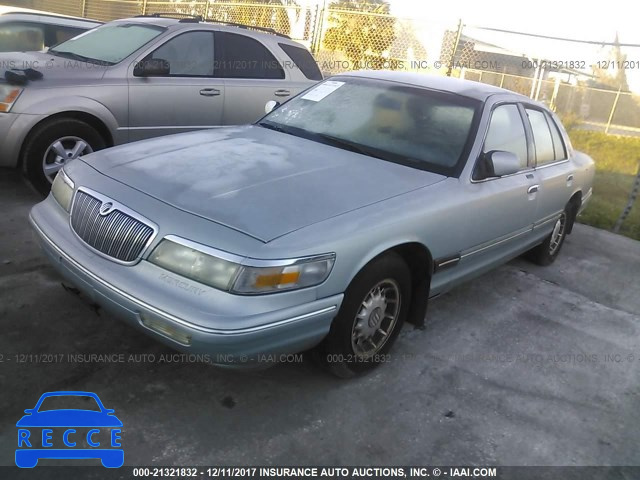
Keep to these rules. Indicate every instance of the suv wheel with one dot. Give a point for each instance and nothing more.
(53, 144)
(370, 318)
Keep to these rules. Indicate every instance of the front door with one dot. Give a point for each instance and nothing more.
(188, 98)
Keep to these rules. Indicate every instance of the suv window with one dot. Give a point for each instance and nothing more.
(56, 34)
(303, 60)
(21, 37)
(189, 54)
(506, 133)
(239, 56)
(541, 137)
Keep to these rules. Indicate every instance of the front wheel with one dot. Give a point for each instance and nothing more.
(546, 253)
(53, 144)
(370, 318)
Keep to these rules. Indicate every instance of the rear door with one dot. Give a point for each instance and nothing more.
(553, 169)
(253, 76)
(190, 97)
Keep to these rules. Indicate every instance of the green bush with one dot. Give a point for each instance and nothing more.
(617, 161)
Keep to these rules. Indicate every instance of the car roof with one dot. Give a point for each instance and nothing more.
(467, 88)
(189, 24)
(10, 10)
(69, 393)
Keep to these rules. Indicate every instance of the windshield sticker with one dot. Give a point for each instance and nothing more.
(322, 91)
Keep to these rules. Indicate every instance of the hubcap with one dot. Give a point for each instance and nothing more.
(60, 152)
(557, 234)
(376, 319)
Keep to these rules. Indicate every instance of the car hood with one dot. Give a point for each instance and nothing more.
(54, 70)
(257, 181)
(69, 418)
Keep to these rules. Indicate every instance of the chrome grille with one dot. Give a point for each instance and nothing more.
(115, 234)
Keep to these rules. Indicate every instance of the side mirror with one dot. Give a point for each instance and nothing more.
(152, 67)
(270, 106)
(29, 411)
(501, 163)
(109, 411)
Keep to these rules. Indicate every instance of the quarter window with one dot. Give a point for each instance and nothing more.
(506, 133)
(541, 137)
(189, 54)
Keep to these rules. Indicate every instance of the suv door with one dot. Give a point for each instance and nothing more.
(554, 171)
(253, 76)
(188, 98)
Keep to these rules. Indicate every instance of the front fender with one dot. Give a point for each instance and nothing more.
(90, 106)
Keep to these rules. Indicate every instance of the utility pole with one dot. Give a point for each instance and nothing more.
(455, 48)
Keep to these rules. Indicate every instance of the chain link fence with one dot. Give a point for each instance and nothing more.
(584, 82)
(354, 34)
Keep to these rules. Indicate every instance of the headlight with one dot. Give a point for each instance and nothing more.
(8, 95)
(62, 190)
(194, 264)
(200, 263)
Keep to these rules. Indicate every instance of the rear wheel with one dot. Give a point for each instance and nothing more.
(546, 253)
(53, 144)
(370, 318)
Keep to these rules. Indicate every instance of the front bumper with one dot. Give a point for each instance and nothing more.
(266, 333)
(14, 127)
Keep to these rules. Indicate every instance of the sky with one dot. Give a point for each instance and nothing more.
(560, 18)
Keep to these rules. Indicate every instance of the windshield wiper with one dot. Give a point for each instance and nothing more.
(76, 56)
(272, 126)
(351, 146)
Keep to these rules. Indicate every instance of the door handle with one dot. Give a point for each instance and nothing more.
(533, 189)
(570, 178)
(209, 92)
(282, 93)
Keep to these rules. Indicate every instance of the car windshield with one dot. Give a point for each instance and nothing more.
(107, 44)
(69, 402)
(418, 127)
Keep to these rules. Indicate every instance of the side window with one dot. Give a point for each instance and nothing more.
(541, 137)
(558, 143)
(56, 34)
(240, 56)
(303, 60)
(506, 132)
(21, 37)
(189, 54)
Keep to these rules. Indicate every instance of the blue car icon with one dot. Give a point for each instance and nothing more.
(87, 431)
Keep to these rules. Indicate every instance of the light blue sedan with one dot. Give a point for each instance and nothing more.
(327, 224)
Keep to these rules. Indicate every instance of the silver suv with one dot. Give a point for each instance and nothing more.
(138, 78)
(23, 29)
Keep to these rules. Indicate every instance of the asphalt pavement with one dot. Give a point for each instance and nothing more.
(524, 366)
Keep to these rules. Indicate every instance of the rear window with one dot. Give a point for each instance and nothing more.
(303, 60)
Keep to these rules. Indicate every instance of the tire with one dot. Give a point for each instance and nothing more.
(343, 351)
(40, 149)
(547, 252)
